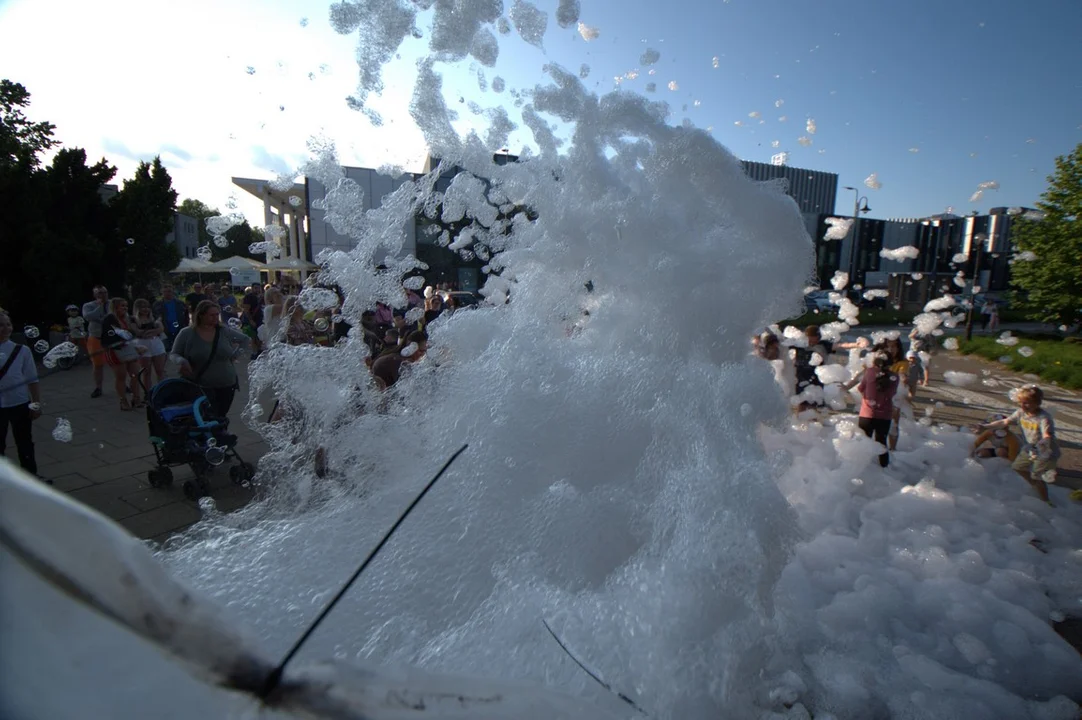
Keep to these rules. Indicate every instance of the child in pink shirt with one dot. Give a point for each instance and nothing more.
(877, 387)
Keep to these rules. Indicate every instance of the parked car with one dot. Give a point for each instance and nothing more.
(818, 300)
(465, 298)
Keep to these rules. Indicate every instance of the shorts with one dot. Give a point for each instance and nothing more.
(122, 355)
(154, 346)
(1035, 466)
(97, 353)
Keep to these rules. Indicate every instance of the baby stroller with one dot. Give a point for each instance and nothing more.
(185, 431)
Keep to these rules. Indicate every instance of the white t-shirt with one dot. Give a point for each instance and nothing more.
(14, 390)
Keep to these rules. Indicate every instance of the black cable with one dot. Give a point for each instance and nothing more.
(275, 676)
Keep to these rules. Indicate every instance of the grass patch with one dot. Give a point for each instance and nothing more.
(868, 316)
(1053, 359)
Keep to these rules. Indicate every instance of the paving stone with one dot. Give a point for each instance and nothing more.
(105, 500)
(152, 498)
(111, 471)
(161, 521)
(79, 465)
(67, 483)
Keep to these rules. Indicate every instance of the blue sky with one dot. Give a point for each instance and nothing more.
(984, 91)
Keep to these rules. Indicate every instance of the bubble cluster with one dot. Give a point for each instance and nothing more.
(62, 432)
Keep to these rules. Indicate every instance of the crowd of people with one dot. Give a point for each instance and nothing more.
(209, 329)
(887, 377)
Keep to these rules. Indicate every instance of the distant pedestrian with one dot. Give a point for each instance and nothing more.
(987, 310)
(20, 396)
(94, 312)
(172, 313)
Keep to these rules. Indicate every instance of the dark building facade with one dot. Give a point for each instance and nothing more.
(978, 246)
(813, 190)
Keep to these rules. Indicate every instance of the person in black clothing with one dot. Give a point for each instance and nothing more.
(195, 297)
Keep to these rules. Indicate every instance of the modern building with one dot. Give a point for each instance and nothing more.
(185, 235)
(285, 217)
(813, 190)
(977, 246)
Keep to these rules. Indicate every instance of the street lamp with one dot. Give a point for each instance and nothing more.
(857, 210)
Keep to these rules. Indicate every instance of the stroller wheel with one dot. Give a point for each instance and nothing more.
(160, 477)
(191, 491)
(241, 474)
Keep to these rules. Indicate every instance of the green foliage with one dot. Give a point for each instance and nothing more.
(1053, 359)
(145, 214)
(873, 317)
(1051, 285)
(21, 141)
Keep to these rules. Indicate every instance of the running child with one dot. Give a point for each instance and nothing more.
(1036, 461)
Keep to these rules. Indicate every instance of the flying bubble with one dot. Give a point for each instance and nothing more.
(872, 181)
(221, 241)
(130, 241)
(295, 201)
(62, 431)
(31, 332)
(41, 347)
(234, 323)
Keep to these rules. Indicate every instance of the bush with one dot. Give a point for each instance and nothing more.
(1053, 359)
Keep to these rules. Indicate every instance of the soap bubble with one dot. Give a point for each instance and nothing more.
(204, 253)
(130, 241)
(62, 351)
(41, 346)
(234, 323)
(31, 332)
(62, 431)
(221, 241)
(1025, 351)
(295, 200)
(321, 324)
(872, 181)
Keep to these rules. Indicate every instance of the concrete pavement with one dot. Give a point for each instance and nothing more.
(106, 462)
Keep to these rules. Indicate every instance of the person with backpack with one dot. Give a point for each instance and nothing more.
(20, 396)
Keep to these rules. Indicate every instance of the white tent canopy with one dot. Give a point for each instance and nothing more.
(192, 265)
(236, 261)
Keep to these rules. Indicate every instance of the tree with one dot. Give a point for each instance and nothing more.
(21, 141)
(146, 207)
(1051, 284)
(73, 244)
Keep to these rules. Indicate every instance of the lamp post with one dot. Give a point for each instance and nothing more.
(979, 238)
(857, 210)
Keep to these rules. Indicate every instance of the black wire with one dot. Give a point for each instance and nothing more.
(588, 671)
(275, 676)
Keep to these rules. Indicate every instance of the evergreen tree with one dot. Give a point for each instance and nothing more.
(146, 207)
(1052, 282)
